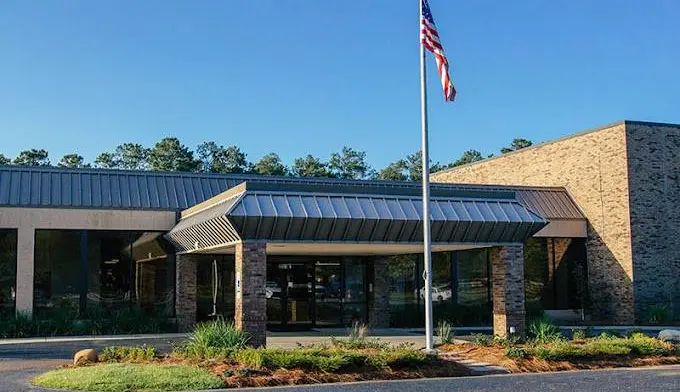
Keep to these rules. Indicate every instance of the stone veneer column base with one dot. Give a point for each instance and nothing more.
(185, 292)
(379, 305)
(507, 263)
(251, 303)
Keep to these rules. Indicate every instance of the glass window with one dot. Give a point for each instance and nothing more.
(473, 290)
(108, 269)
(404, 291)
(354, 309)
(328, 292)
(570, 276)
(8, 270)
(536, 274)
(58, 270)
(152, 273)
(206, 284)
(442, 287)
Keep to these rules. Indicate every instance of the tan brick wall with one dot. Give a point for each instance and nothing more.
(654, 161)
(593, 167)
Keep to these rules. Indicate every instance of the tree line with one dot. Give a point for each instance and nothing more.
(169, 154)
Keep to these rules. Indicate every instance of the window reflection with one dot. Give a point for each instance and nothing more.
(8, 270)
(82, 270)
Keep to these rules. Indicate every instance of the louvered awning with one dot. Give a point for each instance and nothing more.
(253, 211)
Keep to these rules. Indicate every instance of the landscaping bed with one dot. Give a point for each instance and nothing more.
(547, 350)
(217, 351)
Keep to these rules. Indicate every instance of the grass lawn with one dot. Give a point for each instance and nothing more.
(129, 377)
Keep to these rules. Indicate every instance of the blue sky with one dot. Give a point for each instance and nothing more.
(299, 77)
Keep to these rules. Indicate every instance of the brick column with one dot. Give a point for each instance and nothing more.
(251, 303)
(185, 292)
(379, 305)
(507, 264)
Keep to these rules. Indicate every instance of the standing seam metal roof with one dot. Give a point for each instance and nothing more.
(24, 186)
(368, 218)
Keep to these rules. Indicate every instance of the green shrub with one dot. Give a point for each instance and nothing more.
(606, 347)
(607, 335)
(398, 359)
(658, 314)
(508, 341)
(641, 344)
(357, 339)
(563, 351)
(541, 352)
(359, 343)
(579, 334)
(445, 332)
(214, 339)
(515, 352)
(543, 331)
(249, 357)
(603, 346)
(328, 359)
(479, 339)
(358, 331)
(67, 321)
(142, 353)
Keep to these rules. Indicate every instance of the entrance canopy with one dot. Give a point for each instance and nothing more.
(343, 213)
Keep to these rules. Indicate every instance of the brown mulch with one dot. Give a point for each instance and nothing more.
(269, 378)
(495, 355)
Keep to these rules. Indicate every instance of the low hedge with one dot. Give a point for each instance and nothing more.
(604, 346)
(329, 359)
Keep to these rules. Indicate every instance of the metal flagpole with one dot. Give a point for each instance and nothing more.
(427, 254)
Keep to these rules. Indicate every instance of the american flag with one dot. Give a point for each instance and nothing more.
(429, 37)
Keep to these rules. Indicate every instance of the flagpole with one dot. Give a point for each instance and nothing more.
(427, 252)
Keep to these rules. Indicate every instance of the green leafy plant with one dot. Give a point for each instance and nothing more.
(543, 331)
(515, 352)
(445, 332)
(508, 341)
(217, 338)
(359, 343)
(607, 346)
(658, 314)
(357, 339)
(479, 339)
(579, 334)
(142, 353)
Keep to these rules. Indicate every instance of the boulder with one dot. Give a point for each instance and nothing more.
(670, 335)
(85, 356)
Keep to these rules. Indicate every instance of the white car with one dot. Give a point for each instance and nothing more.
(439, 293)
(272, 289)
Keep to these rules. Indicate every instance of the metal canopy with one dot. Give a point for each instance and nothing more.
(257, 212)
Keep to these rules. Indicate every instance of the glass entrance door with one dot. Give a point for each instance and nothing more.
(328, 293)
(304, 292)
(290, 292)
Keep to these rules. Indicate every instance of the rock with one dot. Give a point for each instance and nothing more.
(85, 356)
(670, 335)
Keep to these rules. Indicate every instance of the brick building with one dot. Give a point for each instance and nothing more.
(582, 228)
(625, 177)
